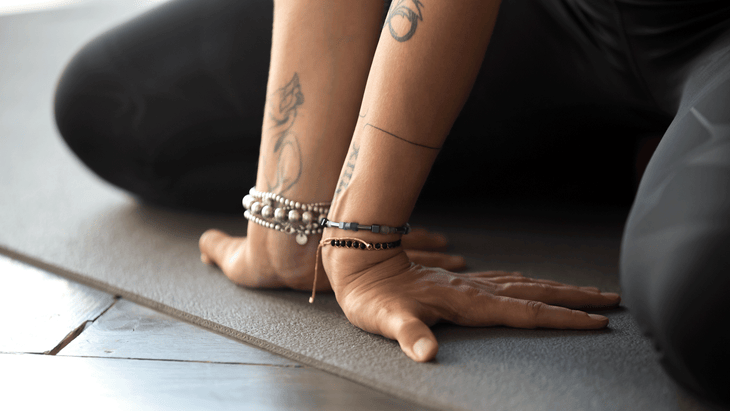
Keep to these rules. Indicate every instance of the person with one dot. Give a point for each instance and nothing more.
(357, 104)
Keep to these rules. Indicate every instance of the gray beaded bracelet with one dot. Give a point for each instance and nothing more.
(378, 229)
(278, 213)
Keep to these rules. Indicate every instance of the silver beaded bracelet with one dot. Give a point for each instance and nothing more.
(378, 229)
(288, 216)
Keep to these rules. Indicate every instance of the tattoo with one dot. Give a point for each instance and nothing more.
(401, 138)
(410, 11)
(349, 168)
(283, 105)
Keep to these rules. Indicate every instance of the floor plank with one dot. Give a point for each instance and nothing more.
(112, 384)
(41, 309)
(129, 330)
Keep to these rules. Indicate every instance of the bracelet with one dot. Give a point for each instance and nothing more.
(362, 245)
(288, 216)
(353, 243)
(378, 229)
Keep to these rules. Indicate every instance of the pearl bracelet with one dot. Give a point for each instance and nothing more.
(378, 229)
(347, 242)
(288, 216)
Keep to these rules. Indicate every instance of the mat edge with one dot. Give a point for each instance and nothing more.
(221, 329)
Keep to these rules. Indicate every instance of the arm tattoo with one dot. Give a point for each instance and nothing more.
(349, 168)
(283, 105)
(405, 9)
(401, 138)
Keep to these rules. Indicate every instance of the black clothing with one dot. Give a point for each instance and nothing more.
(169, 107)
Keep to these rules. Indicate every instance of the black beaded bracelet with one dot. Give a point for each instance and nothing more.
(353, 243)
(362, 245)
(375, 228)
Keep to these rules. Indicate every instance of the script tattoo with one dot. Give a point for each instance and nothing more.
(404, 9)
(349, 168)
(283, 105)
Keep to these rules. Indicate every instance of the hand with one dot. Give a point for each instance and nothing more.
(270, 259)
(384, 293)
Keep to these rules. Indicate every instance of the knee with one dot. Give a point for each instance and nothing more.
(94, 108)
(676, 282)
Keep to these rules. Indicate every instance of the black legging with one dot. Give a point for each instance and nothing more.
(169, 106)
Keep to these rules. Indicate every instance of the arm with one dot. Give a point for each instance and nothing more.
(320, 57)
(421, 75)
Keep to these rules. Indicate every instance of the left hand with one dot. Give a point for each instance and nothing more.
(383, 292)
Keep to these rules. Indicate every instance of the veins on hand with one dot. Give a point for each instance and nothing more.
(409, 10)
(283, 105)
(349, 168)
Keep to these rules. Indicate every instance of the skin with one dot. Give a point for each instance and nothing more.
(395, 103)
(321, 53)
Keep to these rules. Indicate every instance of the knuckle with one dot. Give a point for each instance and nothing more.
(455, 281)
(535, 309)
(504, 288)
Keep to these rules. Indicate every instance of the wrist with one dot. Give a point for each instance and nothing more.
(345, 265)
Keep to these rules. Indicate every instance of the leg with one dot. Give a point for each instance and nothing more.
(545, 96)
(675, 254)
(169, 105)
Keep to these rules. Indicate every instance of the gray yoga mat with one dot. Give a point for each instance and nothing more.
(57, 215)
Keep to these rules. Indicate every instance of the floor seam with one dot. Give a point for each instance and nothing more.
(78, 331)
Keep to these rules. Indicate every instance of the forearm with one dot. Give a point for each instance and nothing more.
(321, 53)
(414, 92)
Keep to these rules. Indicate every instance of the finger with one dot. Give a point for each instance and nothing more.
(205, 259)
(415, 338)
(519, 313)
(493, 274)
(217, 247)
(434, 259)
(505, 280)
(420, 239)
(558, 295)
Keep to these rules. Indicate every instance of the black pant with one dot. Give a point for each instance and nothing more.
(169, 106)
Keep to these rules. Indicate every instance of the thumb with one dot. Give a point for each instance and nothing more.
(218, 248)
(415, 339)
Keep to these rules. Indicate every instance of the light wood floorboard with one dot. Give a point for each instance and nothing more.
(129, 330)
(38, 310)
(45, 382)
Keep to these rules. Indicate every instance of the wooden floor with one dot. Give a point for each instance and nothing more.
(66, 343)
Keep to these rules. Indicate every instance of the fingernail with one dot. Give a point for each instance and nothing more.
(611, 295)
(422, 348)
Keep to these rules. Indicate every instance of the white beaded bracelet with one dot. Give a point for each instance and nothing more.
(288, 216)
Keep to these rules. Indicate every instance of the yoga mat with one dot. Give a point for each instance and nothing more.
(57, 215)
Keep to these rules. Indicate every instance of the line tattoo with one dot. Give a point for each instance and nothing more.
(405, 9)
(401, 138)
(349, 168)
(283, 105)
